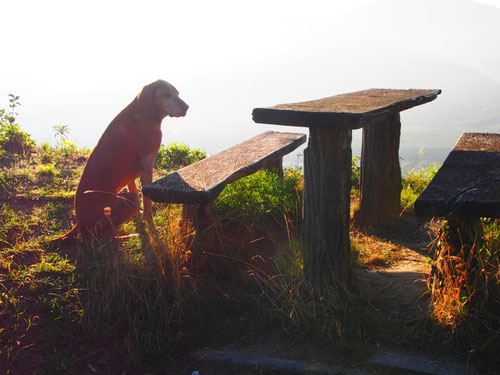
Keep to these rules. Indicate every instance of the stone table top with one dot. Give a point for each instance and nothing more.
(468, 183)
(346, 111)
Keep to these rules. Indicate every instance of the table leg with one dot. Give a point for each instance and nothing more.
(380, 173)
(327, 185)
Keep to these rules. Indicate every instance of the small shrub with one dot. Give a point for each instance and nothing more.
(260, 195)
(491, 229)
(67, 154)
(46, 170)
(61, 132)
(12, 138)
(3, 183)
(177, 155)
(414, 183)
(356, 173)
(68, 148)
(47, 153)
(52, 263)
(45, 147)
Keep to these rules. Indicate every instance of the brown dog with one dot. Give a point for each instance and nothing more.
(126, 150)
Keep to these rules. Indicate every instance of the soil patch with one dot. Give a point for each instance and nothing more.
(399, 287)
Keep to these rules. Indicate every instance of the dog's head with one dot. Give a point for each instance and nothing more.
(163, 99)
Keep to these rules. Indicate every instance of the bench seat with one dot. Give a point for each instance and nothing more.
(203, 181)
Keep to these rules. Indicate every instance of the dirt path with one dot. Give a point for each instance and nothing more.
(400, 287)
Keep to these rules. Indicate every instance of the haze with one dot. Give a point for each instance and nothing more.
(80, 64)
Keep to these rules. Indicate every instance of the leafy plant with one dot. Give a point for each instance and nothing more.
(12, 138)
(61, 132)
(52, 263)
(356, 173)
(414, 182)
(260, 195)
(3, 183)
(47, 154)
(177, 155)
(46, 170)
(14, 102)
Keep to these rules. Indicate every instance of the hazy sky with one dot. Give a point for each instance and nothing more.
(72, 46)
(80, 63)
(495, 3)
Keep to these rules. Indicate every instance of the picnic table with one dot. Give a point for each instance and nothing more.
(465, 188)
(327, 168)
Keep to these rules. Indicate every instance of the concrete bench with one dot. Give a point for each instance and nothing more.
(198, 185)
(466, 188)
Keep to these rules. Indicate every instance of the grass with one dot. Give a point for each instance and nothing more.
(372, 251)
(414, 183)
(262, 197)
(135, 304)
(465, 290)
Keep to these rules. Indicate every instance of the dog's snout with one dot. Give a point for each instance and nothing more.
(184, 107)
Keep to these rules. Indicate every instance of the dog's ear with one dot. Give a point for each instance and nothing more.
(146, 97)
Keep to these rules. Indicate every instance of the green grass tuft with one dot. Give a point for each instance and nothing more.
(414, 183)
(261, 197)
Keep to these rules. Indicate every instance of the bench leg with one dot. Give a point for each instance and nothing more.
(380, 173)
(202, 217)
(327, 185)
(456, 265)
(463, 234)
(276, 166)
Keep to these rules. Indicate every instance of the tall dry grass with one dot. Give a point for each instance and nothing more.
(142, 301)
(465, 287)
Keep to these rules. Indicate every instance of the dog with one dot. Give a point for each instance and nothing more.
(126, 150)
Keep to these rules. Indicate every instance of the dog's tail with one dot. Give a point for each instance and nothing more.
(72, 233)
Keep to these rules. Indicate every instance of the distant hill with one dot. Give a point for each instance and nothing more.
(453, 45)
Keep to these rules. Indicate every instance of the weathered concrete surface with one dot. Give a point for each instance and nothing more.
(418, 363)
(421, 363)
(468, 183)
(347, 111)
(202, 182)
(243, 359)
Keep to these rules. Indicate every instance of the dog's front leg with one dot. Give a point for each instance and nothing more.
(146, 179)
